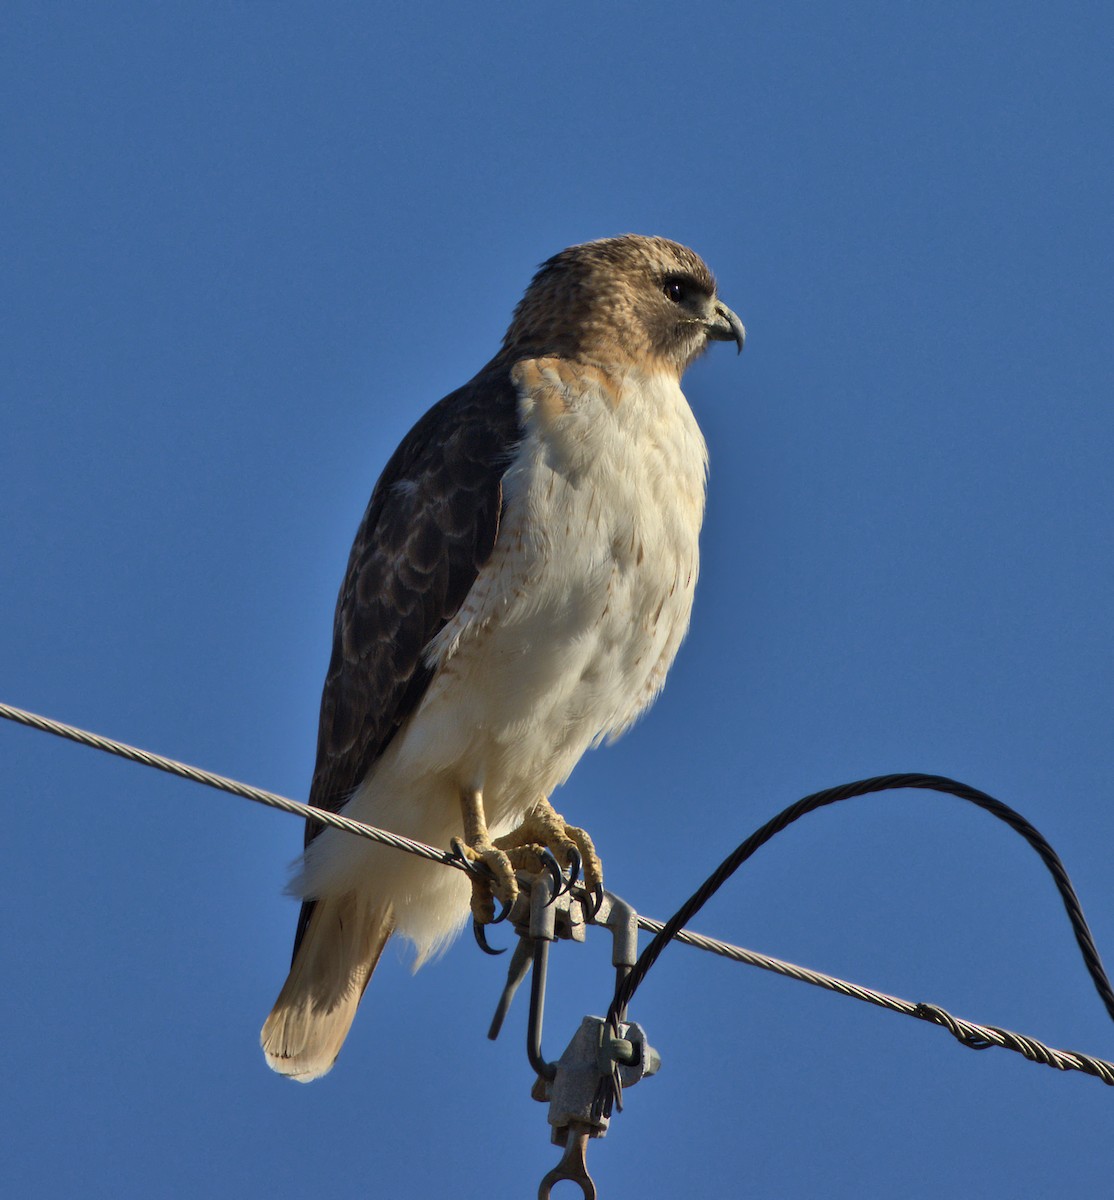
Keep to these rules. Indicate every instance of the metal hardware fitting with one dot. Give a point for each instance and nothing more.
(574, 1085)
(574, 1090)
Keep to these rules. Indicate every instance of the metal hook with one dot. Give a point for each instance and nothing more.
(537, 1060)
(572, 1166)
(519, 968)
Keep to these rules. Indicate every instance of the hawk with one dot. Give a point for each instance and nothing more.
(518, 589)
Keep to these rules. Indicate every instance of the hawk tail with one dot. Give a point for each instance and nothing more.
(336, 954)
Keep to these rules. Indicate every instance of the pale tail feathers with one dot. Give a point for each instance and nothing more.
(313, 1013)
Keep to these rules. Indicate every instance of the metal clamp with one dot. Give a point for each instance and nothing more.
(574, 1092)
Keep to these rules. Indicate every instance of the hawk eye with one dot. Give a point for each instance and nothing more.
(674, 289)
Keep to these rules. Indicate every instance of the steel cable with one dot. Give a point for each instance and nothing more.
(671, 929)
(968, 1033)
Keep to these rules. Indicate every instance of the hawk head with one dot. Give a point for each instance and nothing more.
(623, 301)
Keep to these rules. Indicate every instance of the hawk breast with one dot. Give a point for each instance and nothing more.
(573, 622)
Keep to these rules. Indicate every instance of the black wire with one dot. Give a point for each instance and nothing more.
(626, 988)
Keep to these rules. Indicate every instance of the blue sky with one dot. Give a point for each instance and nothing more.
(245, 246)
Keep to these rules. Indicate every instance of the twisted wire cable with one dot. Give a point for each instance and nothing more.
(966, 1032)
(184, 771)
(671, 930)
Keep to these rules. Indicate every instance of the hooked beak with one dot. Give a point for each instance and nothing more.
(725, 326)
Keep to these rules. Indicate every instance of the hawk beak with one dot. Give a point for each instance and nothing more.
(725, 326)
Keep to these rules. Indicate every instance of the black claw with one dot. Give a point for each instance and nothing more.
(597, 900)
(574, 868)
(471, 867)
(504, 913)
(551, 865)
(481, 939)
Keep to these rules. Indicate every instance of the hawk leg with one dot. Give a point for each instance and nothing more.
(478, 846)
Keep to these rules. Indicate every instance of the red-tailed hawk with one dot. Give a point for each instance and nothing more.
(516, 593)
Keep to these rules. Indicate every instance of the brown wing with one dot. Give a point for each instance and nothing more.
(429, 527)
